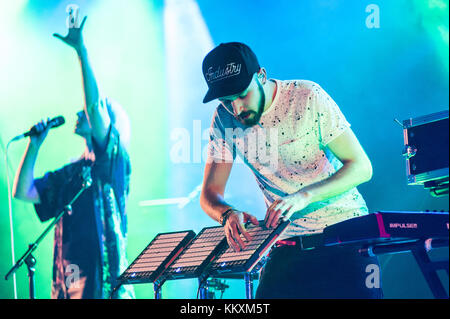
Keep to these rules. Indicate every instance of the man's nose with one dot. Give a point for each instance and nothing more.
(238, 106)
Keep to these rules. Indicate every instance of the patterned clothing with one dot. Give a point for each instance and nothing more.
(90, 243)
(287, 151)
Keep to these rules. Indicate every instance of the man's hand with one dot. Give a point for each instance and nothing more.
(74, 37)
(234, 227)
(284, 208)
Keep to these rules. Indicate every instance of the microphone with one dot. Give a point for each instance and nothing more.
(54, 122)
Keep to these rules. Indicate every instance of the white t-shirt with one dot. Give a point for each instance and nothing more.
(287, 151)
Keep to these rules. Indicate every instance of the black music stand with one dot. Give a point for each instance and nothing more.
(155, 259)
(419, 249)
(27, 257)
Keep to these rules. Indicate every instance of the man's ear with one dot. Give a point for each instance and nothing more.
(262, 75)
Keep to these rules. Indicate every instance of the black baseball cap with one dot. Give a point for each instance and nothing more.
(228, 69)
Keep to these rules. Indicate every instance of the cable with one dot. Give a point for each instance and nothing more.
(11, 226)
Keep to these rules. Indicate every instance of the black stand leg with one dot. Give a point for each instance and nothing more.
(419, 250)
(157, 290)
(31, 262)
(202, 289)
(248, 285)
(428, 269)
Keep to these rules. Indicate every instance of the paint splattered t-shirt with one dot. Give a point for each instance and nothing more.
(287, 151)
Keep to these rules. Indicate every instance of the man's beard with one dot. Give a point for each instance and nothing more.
(254, 117)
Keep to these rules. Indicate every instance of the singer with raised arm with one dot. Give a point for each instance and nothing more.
(90, 243)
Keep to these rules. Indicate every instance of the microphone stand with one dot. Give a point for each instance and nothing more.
(27, 257)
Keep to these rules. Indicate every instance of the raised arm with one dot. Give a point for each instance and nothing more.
(95, 108)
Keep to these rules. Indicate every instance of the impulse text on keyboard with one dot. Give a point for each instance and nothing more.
(403, 225)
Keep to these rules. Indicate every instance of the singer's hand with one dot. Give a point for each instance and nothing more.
(41, 129)
(74, 37)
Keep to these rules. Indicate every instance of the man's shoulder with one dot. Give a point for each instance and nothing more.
(298, 84)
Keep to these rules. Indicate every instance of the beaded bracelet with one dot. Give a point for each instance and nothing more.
(225, 215)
